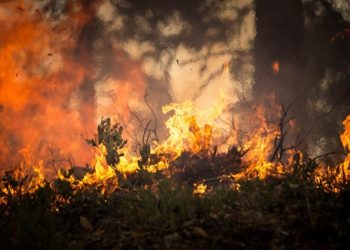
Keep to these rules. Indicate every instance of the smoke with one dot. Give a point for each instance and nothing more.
(39, 82)
(342, 6)
(185, 53)
(194, 51)
(66, 64)
(47, 81)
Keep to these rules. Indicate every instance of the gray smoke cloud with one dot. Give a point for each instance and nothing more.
(182, 58)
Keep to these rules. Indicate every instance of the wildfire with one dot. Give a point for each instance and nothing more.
(189, 133)
(39, 83)
(41, 104)
(345, 139)
(260, 147)
(332, 177)
(185, 133)
(49, 97)
(102, 170)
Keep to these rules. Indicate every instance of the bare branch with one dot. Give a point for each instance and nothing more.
(154, 117)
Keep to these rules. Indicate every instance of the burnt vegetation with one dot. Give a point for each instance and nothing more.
(160, 210)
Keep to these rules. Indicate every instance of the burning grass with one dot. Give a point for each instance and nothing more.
(185, 192)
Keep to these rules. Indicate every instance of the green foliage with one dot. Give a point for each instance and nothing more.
(111, 137)
(145, 153)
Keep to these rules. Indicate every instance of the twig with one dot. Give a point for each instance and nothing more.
(144, 133)
(154, 117)
(127, 131)
(71, 160)
(245, 99)
(327, 154)
(279, 148)
(221, 177)
(53, 161)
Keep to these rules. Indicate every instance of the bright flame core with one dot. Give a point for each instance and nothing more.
(195, 136)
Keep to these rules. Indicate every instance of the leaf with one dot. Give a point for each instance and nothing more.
(86, 224)
(91, 142)
(198, 231)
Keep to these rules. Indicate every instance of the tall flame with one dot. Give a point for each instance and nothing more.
(48, 97)
(40, 83)
(345, 139)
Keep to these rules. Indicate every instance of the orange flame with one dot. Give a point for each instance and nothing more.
(41, 105)
(345, 139)
(47, 96)
(39, 84)
(275, 67)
